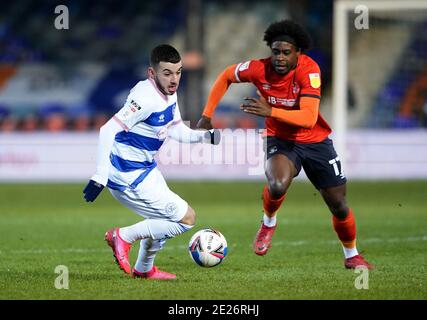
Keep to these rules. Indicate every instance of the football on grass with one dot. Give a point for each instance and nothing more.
(207, 247)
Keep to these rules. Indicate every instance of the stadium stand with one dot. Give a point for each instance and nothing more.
(87, 70)
(96, 59)
(412, 61)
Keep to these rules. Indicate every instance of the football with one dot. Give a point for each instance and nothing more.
(207, 247)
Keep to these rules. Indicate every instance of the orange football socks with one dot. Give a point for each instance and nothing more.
(346, 231)
(271, 205)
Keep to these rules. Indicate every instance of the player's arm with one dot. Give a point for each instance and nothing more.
(181, 133)
(99, 180)
(305, 117)
(132, 112)
(219, 88)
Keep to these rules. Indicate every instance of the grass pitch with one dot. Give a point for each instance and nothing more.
(43, 226)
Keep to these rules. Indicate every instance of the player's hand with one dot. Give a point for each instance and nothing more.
(259, 107)
(92, 190)
(204, 123)
(213, 136)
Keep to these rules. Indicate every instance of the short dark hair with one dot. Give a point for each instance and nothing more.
(287, 30)
(164, 53)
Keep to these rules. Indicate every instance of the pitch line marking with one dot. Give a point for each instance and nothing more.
(174, 247)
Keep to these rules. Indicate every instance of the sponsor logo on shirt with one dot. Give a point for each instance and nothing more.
(130, 108)
(281, 101)
(314, 80)
(244, 66)
(134, 106)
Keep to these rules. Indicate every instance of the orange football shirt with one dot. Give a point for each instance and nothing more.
(284, 92)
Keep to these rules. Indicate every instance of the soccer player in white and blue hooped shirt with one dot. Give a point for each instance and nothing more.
(127, 145)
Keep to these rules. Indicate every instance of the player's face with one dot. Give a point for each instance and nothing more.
(284, 56)
(167, 76)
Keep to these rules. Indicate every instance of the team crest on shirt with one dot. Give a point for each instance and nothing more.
(295, 88)
(314, 80)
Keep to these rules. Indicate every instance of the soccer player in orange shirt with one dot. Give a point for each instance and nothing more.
(288, 84)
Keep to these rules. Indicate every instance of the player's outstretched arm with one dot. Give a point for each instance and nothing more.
(105, 143)
(219, 88)
(181, 133)
(204, 123)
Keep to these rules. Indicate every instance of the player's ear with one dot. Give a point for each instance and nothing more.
(151, 72)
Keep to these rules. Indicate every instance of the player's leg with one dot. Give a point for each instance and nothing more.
(342, 217)
(156, 229)
(344, 225)
(144, 266)
(190, 217)
(279, 170)
(323, 168)
(166, 214)
(147, 252)
(164, 211)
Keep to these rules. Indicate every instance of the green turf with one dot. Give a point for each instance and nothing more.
(43, 226)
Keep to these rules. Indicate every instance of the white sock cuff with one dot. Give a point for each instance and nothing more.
(269, 222)
(350, 252)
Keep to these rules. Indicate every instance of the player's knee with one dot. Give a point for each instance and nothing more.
(339, 209)
(190, 217)
(278, 188)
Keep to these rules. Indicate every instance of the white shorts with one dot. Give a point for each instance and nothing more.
(153, 199)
